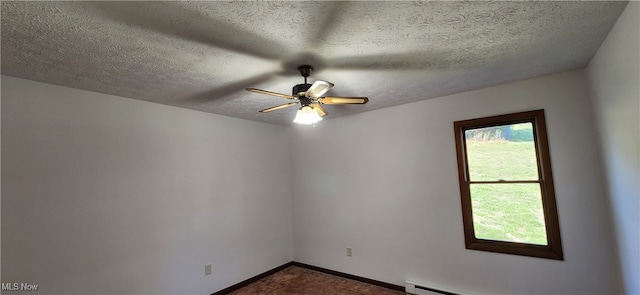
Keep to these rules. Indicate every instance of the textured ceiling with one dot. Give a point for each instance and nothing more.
(201, 55)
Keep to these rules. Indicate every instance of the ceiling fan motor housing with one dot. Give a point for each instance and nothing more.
(300, 89)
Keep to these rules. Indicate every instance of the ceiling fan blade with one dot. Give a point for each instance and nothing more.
(224, 91)
(318, 89)
(344, 100)
(321, 111)
(282, 106)
(269, 93)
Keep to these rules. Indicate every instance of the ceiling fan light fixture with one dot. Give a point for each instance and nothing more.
(307, 115)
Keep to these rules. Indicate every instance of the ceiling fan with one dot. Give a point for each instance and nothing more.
(310, 98)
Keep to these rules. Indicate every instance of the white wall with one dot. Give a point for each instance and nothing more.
(614, 79)
(103, 194)
(385, 183)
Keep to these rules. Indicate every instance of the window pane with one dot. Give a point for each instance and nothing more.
(504, 152)
(509, 212)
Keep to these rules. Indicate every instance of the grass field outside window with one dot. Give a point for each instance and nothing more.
(506, 212)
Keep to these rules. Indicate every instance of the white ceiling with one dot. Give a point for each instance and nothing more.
(201, 55)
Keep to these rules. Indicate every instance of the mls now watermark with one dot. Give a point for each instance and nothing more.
(19, 287)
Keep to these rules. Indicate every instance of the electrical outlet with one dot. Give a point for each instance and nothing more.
(349, 251)
(207, 269)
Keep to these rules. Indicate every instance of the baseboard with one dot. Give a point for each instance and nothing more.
(350, 276)
(253, 279)
(311, 267)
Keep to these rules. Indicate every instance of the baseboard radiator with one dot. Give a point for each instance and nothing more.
(422, 289)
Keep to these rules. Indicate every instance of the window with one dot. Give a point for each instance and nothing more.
(506, 185)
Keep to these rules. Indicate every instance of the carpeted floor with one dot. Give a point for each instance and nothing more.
(302, 281)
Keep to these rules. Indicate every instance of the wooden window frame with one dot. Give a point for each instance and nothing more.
(553, 249)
